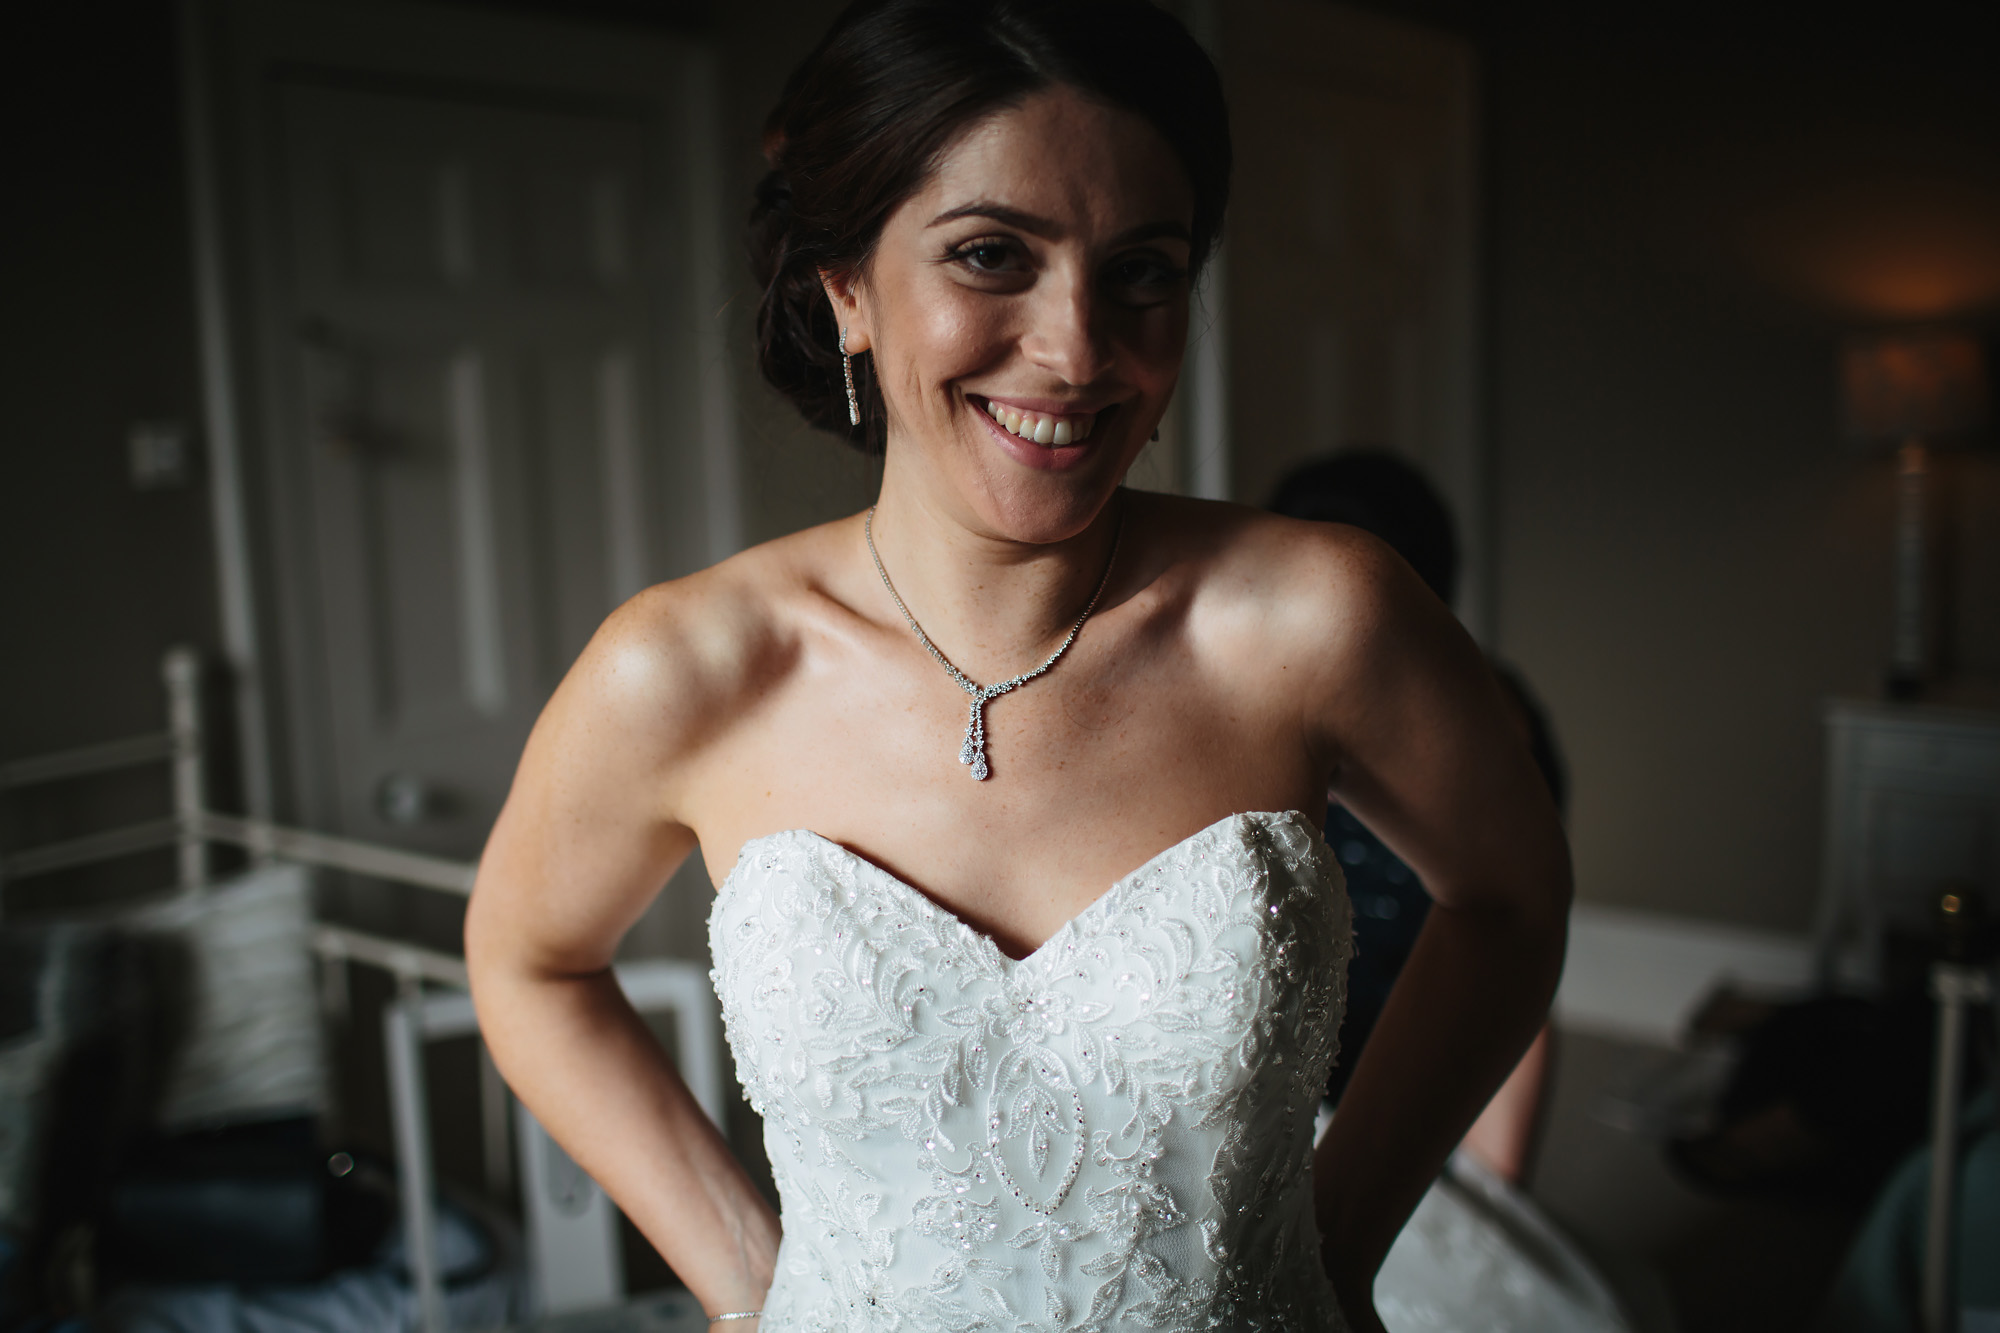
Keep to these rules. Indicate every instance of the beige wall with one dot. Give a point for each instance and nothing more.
(1688, 561)
(97, 579)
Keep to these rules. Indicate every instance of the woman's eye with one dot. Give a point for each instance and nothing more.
(987, 257)
(1144, 274)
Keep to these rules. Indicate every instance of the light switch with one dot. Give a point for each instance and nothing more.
(160, 454)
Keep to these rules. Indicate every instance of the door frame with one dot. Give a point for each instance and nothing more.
(233, 56)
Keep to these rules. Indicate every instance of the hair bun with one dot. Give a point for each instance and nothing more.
(774, 191)
(770, 226)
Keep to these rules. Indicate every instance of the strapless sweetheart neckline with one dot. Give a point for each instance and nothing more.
(1097, 906)
(1114, 1131)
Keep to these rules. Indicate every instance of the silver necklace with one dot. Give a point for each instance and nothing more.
(973, 751)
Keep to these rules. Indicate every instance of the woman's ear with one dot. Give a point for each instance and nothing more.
(850, 306)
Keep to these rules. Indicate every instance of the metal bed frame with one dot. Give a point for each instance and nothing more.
(571, 1226)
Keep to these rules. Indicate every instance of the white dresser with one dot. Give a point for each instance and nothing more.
(1912, 808)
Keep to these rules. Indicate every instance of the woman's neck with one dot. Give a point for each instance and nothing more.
(994, 606)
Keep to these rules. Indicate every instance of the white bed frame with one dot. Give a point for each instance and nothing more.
(572, 1235)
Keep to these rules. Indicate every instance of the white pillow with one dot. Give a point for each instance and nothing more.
(251, 1043)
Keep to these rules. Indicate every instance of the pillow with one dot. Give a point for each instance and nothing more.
(250, 1043)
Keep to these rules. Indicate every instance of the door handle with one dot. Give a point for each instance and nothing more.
(406, 800)
(337, 374)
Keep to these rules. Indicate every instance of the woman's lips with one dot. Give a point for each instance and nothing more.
(1057, 428)
(1048, 441)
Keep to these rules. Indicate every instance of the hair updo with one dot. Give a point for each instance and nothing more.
(891, 86)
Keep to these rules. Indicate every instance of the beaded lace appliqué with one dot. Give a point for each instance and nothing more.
(1114, 1132)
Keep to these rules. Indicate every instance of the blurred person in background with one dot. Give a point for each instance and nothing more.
(1380, 493)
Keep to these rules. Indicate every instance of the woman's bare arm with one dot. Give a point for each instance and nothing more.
(1426, 754)
(589, 834)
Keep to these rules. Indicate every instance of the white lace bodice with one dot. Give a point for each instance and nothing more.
(1114, 1132)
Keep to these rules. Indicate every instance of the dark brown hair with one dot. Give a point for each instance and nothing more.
(890, 87)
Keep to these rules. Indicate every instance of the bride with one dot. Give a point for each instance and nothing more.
(1029, 957)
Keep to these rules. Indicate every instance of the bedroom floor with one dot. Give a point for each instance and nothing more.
(1681, 1261)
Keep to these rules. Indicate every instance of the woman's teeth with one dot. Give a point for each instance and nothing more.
(1042, 430)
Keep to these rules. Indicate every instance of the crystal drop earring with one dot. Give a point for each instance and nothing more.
(847, 369)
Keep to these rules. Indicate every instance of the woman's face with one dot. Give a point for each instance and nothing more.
(1027, 310)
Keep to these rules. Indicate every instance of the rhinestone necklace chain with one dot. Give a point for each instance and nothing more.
(973, 750)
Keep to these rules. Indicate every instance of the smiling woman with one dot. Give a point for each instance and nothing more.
(868, 116)
(1036, 333)
(1039, 1051)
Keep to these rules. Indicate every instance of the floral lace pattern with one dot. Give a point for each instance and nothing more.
(1113, 1132)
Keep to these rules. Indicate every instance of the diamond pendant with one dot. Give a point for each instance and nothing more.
(973, 751)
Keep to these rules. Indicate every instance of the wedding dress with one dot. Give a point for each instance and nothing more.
(1113, 1132)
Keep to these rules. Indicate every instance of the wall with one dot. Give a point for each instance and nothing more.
(792, 476)
(99, 578)
(1682, 226)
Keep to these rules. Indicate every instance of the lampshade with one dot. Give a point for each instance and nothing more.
(1927, 384)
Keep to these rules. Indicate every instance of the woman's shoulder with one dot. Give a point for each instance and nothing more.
(1297, 612)
(685, 655)
(1241, 562)
(749, 594)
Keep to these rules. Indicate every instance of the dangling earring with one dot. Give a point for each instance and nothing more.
(847, 369)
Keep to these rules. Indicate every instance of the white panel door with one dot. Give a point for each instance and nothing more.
(466, 295)
(475, 423)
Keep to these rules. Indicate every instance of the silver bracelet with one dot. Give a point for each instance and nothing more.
(734, 1314)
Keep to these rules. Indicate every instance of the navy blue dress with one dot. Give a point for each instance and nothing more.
(1390, 902)
(1389, 909)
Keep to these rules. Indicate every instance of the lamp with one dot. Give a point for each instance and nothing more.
(1914, 391)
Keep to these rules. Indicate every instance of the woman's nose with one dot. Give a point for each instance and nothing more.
(1064, 334)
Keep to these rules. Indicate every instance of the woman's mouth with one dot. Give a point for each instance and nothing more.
(1047, 428)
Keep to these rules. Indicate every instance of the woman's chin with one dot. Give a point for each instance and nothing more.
(1044, 507)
